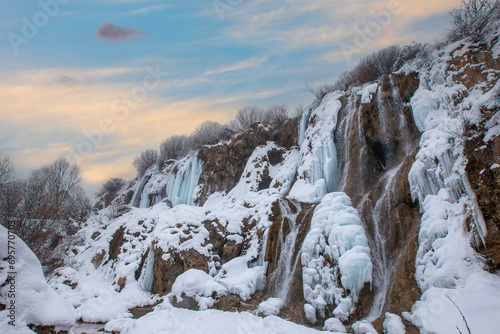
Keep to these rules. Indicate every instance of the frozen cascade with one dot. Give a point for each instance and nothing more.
(181, 185)
(317, 171)
(304, 120)
(136, 199)
(335, 249)
(282, 276)
(147, 274)
(177, 184)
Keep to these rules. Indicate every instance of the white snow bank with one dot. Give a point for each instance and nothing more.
(182, 321)
(199, 285)
(336, 233)
(363, 327)
(367, 93)
(438, 310)
(34, 301)
(393, 324)
(94, 298)
(271, 306)
(239, 279)
(334, 325)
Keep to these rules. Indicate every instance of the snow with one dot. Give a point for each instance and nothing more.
(393, 324)
(199, 285)
(367, 93)
(478, 300)
(182, 321)
(335, 233)
(271, 306)
(239, 279)
(35, 302)
(363, 327)
(334, 325)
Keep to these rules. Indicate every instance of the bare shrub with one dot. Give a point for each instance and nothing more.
(110, 190)
(276, 116)
(208, 133)
(143, 162)
(298, 111)
(174, 147)
(321, 91)
(382, 62)
(247, 116)
(474, 20)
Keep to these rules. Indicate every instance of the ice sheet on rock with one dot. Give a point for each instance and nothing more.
(336, 233)
(318, 153)
(35, 302)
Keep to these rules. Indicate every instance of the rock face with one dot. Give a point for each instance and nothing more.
(223, 164)
(483, 154)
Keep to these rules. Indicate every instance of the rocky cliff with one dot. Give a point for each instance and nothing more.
(345, 217)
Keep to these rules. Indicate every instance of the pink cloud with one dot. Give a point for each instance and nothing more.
(114, 33)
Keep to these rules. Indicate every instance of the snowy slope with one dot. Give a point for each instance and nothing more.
(35, 302)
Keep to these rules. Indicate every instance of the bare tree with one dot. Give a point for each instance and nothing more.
(143, 162)
(48, 207)
(6, 169)
(474, 20)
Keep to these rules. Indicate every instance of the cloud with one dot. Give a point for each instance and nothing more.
(114, 33)
(253, 62)
(145, 10)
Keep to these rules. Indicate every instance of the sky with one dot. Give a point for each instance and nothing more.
(99, 81)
